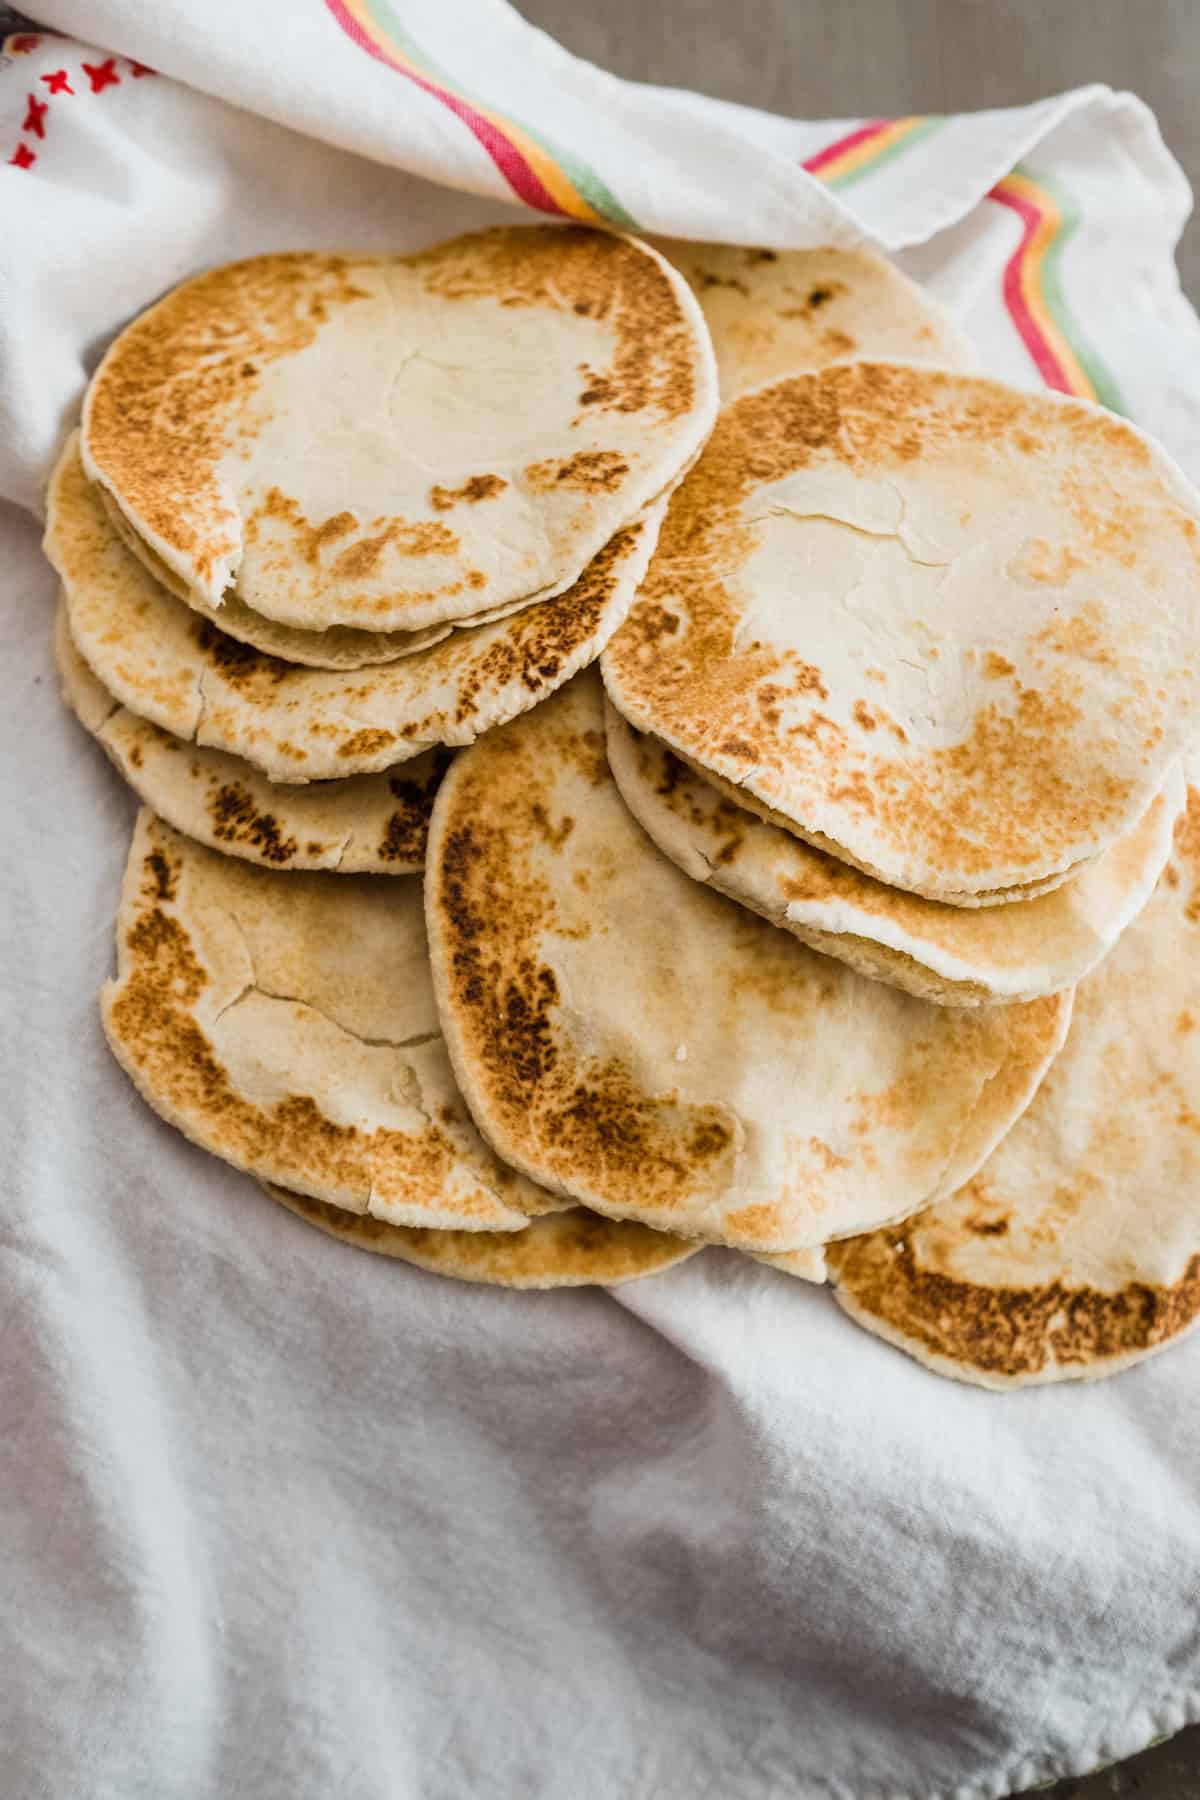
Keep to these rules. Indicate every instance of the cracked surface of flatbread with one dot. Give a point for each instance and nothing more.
(642, 1044)
(286, 1023)
(947, 630)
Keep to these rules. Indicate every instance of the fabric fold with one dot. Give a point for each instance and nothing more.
(408, 1538)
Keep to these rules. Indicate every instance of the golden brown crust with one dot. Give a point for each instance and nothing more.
(1006, 1332)
(296, 724)
(836, 856)
(158, 411)
(574, 1248)
(1024, 786)
(596, 275)
(150, 1026)
(589, 1112)
(774, 313)
(162, 1014)
(366, 824)
(472, 490)
(189, 423)
(340, 647)
(949, 954)
(407, 830)
(670, 1084)
(594, 470)
(309, 542)
(237, 823)
(1074, 1250)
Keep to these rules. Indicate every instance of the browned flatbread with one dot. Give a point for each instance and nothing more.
(286, 1023)
(390, 443)
(645, 1046)
(954, 955)
(164, 662)
(948, 631)
(574, 1248)
(341, 647)
(774, 312)
(1075, 1249)
(361, 825)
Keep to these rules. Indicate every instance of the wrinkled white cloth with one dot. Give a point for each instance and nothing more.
(279, 1519)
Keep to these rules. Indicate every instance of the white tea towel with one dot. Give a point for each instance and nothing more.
(281, 1520)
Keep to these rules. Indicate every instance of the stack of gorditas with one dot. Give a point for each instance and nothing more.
(844, 915)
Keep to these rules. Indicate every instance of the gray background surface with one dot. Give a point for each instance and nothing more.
(849, 58)
(885, 58)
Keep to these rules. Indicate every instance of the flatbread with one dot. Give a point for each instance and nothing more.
(775, 312)
(631, 1039)
(286, 1023)
(943, 953)
(392, 442)
(805, 1265)
(948, 630)
(163, 662)
(1075, 1250)
(341, 647)
(748, 802)
(362, 825)
(573, 1248)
